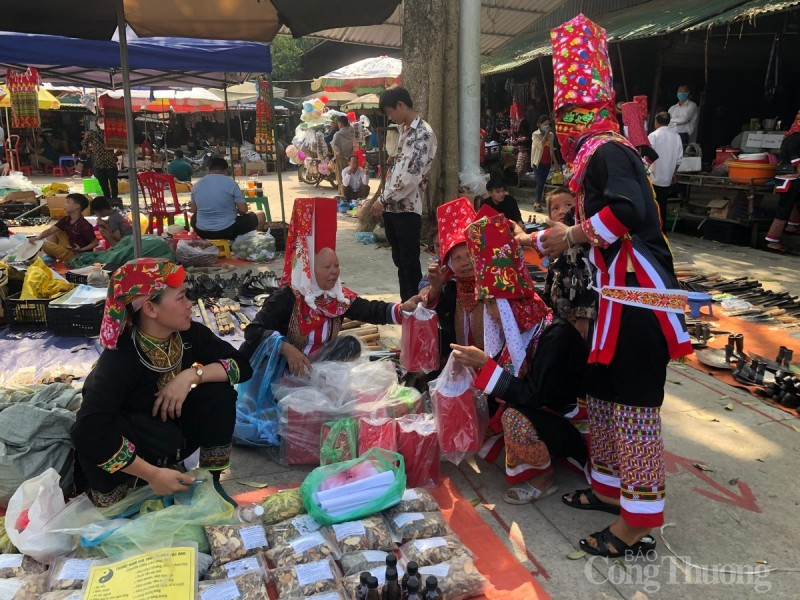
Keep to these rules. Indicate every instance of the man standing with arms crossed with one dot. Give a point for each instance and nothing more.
(401, 202)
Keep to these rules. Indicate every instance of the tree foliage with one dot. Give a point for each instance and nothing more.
(287, 56)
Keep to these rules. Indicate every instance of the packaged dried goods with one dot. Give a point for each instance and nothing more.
(252, 564)
(282, 505)
(285, 531)
(299, 581)
(371, 533)
(309, 548)
(418, 525)
(250, 586)
(433, 551)
(232, 542)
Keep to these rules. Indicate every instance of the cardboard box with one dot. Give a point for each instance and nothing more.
(19, 197)
(258, 167)
(728, 208)
(718, 208)
(57, 207)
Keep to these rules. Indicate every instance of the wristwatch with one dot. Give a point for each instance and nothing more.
(198, 370)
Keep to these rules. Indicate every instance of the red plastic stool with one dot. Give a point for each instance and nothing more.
(57, 172)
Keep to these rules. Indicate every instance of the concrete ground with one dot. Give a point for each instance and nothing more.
(732, 460)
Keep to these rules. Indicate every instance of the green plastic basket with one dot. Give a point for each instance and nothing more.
(92, 186)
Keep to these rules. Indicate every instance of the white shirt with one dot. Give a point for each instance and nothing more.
(683, 118)
(355, 180)
(2, 137)
(408, 177)
(669, 147)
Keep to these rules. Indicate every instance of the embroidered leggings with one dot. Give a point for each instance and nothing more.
(627, 454)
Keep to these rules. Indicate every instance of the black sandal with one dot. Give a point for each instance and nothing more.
(605, 539)
(594, 502)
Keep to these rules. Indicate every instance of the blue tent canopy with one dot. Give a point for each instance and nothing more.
(169, 61)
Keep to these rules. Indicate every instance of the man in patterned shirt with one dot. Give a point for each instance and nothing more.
(401, 202)
(105, 162)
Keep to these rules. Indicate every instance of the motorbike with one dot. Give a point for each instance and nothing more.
(200, 161)
(308, 172)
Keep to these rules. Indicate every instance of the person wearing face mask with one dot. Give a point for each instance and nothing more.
(532, 365)
(683, 115)
(308, 309)
(543, 156)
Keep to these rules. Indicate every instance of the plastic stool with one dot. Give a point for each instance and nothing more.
(224, 247)
(67, 164)
(696, 301)
(26, 169)
(262, 203)
(57, 172)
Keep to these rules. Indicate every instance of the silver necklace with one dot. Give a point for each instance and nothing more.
(148, 364)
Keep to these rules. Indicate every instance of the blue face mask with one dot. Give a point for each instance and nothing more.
(683, 96)
(544, 128)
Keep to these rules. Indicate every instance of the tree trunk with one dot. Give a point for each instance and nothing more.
(430, 73)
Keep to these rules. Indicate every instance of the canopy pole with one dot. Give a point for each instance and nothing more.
(469, 85)
(544, 89)
(228, 125)
(277, 158)
(622, 70)
(126, 88)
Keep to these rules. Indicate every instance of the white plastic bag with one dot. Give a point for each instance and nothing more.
(257, 246)
(37, 501)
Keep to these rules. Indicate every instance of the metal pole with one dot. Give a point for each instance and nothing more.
(622, 70)
(469, 84)
(228, 126)
(544, 89)
(277, 158)
(126, 89)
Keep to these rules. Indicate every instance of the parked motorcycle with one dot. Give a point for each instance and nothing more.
(309, 172)
(200, 161)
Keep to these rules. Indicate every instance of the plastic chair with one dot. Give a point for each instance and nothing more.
(262, 203)
(67, 164)
(155, 185)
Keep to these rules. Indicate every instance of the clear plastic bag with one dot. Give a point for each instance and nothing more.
(458, 578)
(30, 587)
(350, 490)
(256, 246)
(435, 550)
(68, 573)
(354, 563)
(460, 411)
(371, 533)
(196, 253)
(229, 542)
(281, 506)
(419, 445)
(299, 581)
(252, 564)
(62, 595)
(419, 340)
(286, 531)
(309, 548)
(352, 582)
(248, 586)
(415, 500)
(19, 565)
(412, 526)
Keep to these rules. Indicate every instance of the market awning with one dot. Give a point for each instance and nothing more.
(650, 19)
(746, 12)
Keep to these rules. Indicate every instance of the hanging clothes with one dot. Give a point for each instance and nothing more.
(23, 86)
(115, 128)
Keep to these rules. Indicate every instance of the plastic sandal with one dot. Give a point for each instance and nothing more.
(526, 493)
(594, 502)
(605, 539)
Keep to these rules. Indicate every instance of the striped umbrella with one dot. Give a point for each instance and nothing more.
(368, 76)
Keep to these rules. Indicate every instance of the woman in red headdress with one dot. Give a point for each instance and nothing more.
(309, 307)
(531, 363)
(162, 389)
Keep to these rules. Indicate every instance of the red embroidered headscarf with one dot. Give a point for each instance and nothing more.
(312, 228)
(583, 97)
(452, 220)
(135, 281)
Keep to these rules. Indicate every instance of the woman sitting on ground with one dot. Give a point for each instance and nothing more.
(533, 365)
(162, 389)
(309, 307)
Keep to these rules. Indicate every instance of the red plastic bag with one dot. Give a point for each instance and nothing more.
(417, 442)
(376, 433)
(419, 341)
(460, 411)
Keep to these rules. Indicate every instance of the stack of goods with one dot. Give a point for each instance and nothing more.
(311, 409)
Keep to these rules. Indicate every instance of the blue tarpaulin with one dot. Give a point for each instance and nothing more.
(171, 61)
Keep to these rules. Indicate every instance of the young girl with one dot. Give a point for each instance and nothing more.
(566, 288)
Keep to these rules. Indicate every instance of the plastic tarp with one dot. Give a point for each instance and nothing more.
(182, 61)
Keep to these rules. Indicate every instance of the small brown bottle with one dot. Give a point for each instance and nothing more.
(372, 589)
(432, 591)
(391, 589)
(412, 570)
(413, 589)
(361, 592)
(391, 562)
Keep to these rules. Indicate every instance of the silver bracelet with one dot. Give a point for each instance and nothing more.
(570, 241)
